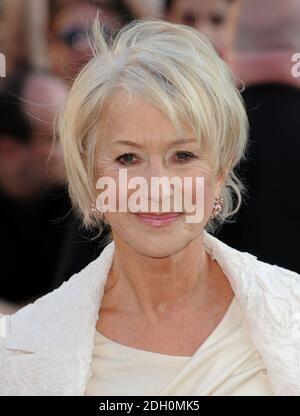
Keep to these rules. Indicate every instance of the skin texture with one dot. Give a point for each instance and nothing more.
(163, 287)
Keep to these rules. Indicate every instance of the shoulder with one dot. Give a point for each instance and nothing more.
(61, 314)
(270, 279)
(271, 300)
(247, 269)
(20, 330)
(45, 347)
(258, 285)
(269, 296)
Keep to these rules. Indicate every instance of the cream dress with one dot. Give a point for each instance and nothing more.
(226, 364)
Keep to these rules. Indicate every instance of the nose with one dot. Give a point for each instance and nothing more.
(156, 168)
(157, 190)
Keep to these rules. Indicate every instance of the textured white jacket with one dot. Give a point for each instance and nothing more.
(46, 347)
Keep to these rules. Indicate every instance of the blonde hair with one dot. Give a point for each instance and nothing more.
(173, 67)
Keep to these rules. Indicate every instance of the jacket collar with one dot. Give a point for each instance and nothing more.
(54, 337)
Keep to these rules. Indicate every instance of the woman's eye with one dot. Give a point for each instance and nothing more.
(183, 157)
(127, 159)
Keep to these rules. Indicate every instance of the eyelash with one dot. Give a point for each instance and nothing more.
(190, 156)
(126, 163)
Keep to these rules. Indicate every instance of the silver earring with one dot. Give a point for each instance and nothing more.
(218, 207)
(94, 210)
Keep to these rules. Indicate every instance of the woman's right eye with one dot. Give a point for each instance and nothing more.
(127, 159)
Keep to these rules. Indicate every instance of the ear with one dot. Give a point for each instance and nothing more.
(219, 183)
(221, 178)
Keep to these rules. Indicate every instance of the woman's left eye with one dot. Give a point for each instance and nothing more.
(183, 157)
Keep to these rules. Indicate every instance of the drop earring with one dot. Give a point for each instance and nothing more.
(94, 210)
(218, 207)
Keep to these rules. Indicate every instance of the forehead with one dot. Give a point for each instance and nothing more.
(126, 117)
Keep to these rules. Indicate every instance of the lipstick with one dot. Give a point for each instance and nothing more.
(158, 219)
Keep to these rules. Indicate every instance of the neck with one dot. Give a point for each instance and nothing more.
(268, 66)
(155, 285)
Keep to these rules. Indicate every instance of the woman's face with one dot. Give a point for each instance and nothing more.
(142, 140)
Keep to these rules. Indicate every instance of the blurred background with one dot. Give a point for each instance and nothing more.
(43, 46)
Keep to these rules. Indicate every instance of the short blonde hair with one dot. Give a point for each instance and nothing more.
(173, 67)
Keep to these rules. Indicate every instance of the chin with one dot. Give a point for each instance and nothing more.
(157, 252)
(158, 246)
(156, 240)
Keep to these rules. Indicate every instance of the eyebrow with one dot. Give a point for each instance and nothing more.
(173, 143)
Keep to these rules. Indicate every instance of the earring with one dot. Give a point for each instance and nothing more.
(94, 210)
(218, 207)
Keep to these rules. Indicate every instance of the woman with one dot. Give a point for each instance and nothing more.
(167, 308)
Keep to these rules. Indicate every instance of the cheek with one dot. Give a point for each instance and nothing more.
(199, 187)
(118, 221)
(203, 195)
(119, 193)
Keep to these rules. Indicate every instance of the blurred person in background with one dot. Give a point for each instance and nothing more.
(29, 101)
(268, 223)
(29, 104)
(69, 24)
(215, 18)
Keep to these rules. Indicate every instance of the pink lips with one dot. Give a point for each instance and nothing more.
(158, 220)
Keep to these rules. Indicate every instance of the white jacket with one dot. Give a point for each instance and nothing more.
(46, 347)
